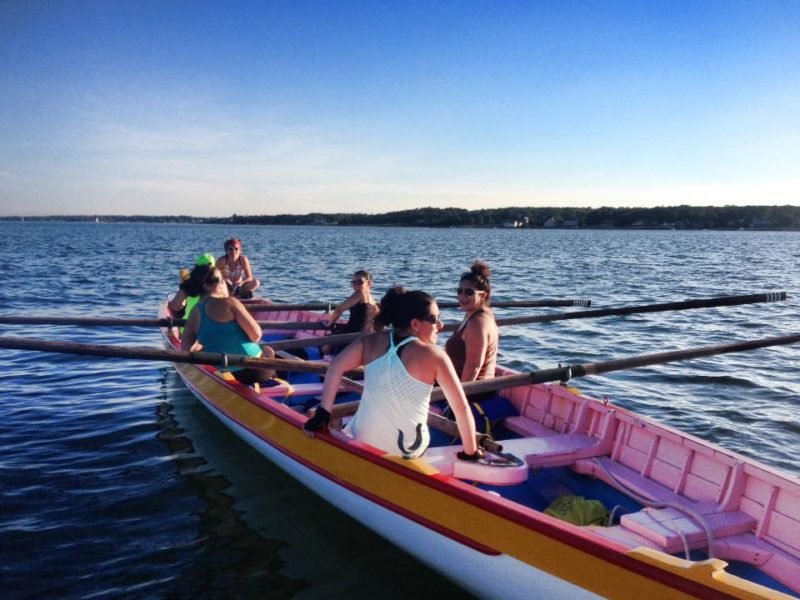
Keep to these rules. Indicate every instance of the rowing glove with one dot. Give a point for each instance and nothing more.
(321, 418)
(470, 457)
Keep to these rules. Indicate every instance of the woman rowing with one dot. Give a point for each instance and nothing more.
(236, 270)
(220, 323)
(473, 346)
(362, 306)
(400, 368)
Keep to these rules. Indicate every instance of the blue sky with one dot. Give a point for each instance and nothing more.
(214, 108)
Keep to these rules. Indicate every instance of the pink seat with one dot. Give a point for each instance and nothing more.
(669, 527)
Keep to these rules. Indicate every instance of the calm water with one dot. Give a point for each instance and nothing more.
(114, 481)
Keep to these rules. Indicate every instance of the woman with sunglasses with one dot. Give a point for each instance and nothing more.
(400, 367)
(473, 346)
(220, 323)
(236, 270)
(360, 303)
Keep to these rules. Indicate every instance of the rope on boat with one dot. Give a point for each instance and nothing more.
(679, 507)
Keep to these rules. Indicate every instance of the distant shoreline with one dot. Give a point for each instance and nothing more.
(727, 218)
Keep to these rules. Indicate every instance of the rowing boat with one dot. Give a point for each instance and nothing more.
(687, 518)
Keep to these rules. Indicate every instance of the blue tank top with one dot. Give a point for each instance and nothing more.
(224, 337)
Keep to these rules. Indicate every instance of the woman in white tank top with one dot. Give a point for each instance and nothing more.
(400, 368)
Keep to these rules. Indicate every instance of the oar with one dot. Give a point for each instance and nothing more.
(644, 308)
(584, 314)
(498, 383)
(178, 356)
(122, 322)
(328, 306)
(563, 374)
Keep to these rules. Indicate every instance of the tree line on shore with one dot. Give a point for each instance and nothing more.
(661, 217)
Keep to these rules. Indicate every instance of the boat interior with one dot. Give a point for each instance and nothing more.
(663, 490)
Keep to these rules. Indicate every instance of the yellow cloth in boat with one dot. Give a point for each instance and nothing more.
(393, 414)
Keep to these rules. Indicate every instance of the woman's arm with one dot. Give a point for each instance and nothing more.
(189, 335)
(351, 357)
(476, 343)
(178, 302)
(245, 320)
(247, 272)
(351, 301)
(448, 380)
(222, 264)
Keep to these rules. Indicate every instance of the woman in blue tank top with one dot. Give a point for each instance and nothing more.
(220, 323)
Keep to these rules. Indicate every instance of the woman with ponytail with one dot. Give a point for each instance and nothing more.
(401, 366)
(473, 346)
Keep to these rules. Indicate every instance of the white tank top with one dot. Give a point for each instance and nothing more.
(393, 414)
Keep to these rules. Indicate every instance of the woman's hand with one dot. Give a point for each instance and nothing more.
(320, 419)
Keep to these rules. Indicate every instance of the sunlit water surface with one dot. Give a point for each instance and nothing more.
(115, 482)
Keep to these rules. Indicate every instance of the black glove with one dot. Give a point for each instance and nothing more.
(471, 457)
(321, 418)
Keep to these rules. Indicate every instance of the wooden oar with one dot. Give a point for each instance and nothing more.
(328, 306)
(563, 374)
(122, 322)
(346, 338)
(299, 365)
(644, 308)
(178, 356)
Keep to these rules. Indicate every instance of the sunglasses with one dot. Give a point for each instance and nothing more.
(466, 291)
(231, 248)
(358, 281)
(212, 281)
(434, 319)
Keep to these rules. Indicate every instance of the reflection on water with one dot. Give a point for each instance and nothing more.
(232, 559)
(265, 535)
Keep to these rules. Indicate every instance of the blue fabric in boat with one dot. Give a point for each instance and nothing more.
(487, 412)
(274, 337)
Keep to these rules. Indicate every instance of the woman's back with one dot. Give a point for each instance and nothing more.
(394, 405)
(219, 331)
